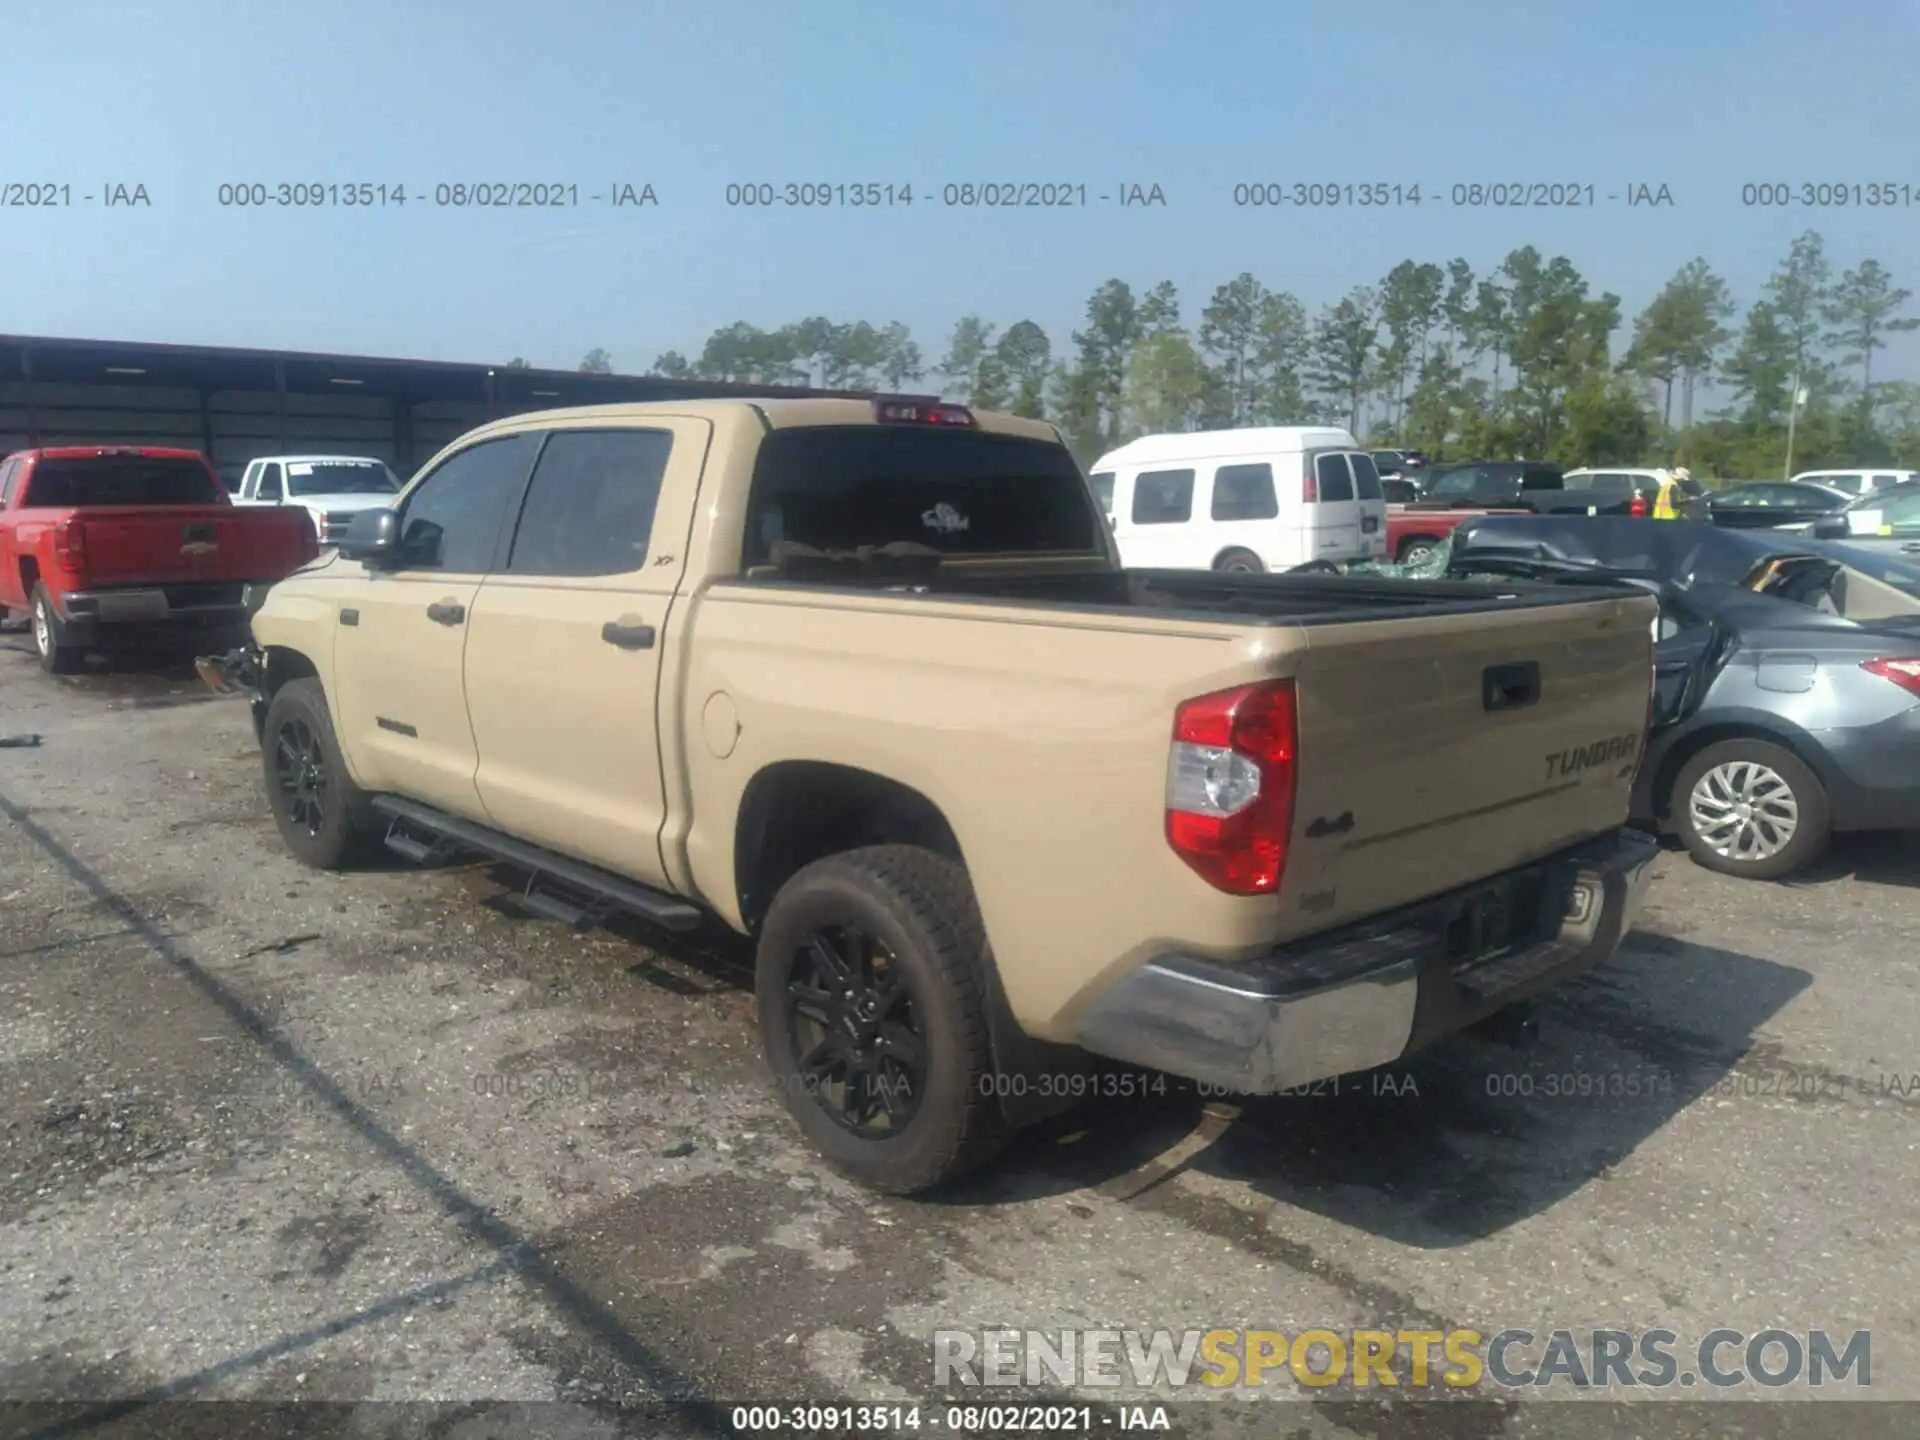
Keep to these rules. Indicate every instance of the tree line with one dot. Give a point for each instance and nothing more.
(1520, 360)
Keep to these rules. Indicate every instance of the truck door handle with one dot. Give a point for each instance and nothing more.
(1510, 687)
(445, 612)
(627, 637)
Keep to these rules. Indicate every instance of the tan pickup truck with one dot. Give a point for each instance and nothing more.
(866, 681)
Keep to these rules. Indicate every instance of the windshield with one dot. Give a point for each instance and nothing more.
(122, 480)
(340, 477)
(1102, 482)
(962, 492)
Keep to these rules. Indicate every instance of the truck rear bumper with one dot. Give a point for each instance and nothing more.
(151, 605)
(1366, 995)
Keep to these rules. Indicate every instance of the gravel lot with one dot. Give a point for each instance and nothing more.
(267, 1134)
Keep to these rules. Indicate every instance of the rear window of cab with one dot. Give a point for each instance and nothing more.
(958, 491)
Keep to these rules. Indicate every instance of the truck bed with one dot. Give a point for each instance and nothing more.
(1433, 752)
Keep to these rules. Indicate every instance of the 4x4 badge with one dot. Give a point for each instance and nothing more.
(944, 518)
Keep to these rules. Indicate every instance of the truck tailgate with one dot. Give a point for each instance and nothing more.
(1433, 755)
(173, 544)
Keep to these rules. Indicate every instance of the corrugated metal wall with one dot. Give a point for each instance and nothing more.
(234, 426)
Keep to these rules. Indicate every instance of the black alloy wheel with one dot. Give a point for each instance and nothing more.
(858, 1039)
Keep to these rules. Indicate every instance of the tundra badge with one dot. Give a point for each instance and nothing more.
(1600, 752)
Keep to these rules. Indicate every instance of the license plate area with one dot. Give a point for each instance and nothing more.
(1493, 921)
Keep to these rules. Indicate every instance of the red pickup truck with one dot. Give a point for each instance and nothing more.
(95, 538)
(1413, 533)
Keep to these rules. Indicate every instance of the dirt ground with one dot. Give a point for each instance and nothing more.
(373, 1138)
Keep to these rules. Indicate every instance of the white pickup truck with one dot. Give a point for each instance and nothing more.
(332, 488)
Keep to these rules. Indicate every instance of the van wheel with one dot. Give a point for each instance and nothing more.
(871, 1012)
(325, 819)
(57, 657)
(1416, 552)
(1239, 562)
(1750, 808)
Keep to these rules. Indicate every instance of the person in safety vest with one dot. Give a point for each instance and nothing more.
(1666, 505)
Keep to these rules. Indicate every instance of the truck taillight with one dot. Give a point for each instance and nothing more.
(70, 545)
(1309, 487)
(1231, 777)
(1904, 673)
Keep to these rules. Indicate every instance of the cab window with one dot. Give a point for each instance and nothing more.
(589, 509)
(451, 522)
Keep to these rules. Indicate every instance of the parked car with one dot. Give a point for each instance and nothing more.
(1532, 485)
(1242, 500)
(1788, 679)
(1858, 481)
(1390, 463)
(868, 682)
(1885, 520)
(1769, 504)
(95, 539)
(1638, 492)
(331, 488)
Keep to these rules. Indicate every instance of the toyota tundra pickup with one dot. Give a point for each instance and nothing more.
(866, 681)
(95, 539)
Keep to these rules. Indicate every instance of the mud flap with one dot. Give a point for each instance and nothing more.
(1033, 1078)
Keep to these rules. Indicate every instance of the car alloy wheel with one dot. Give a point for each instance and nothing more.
(1743, 810)
(42, 628)
(858, 1039)
(300, 771)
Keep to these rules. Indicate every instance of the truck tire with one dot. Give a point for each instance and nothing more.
(872, 1014)
(1416, 551)
(1239, 562)
(324, 818)
(1750, 808)
(57, 656)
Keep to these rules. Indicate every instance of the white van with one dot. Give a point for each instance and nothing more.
(1257, 499)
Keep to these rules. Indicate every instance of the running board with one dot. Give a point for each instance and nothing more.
(608, 889)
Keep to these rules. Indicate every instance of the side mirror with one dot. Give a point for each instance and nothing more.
(373, 537)
(1830, 527)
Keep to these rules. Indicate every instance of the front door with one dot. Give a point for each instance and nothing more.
(565, 643)
(401, 632)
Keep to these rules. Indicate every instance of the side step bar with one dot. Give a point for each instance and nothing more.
(609, 891)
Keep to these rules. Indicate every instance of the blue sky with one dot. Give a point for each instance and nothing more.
(689, 97)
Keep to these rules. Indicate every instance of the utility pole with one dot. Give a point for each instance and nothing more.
(1793, 414)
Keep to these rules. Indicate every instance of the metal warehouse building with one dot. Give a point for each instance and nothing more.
(236, 404)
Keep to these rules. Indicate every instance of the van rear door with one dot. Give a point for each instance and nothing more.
(1332, 518)
(1373, 503)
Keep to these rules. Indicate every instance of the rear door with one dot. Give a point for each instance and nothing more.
(1372, 500)
(564, 646)
(1332, 519)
